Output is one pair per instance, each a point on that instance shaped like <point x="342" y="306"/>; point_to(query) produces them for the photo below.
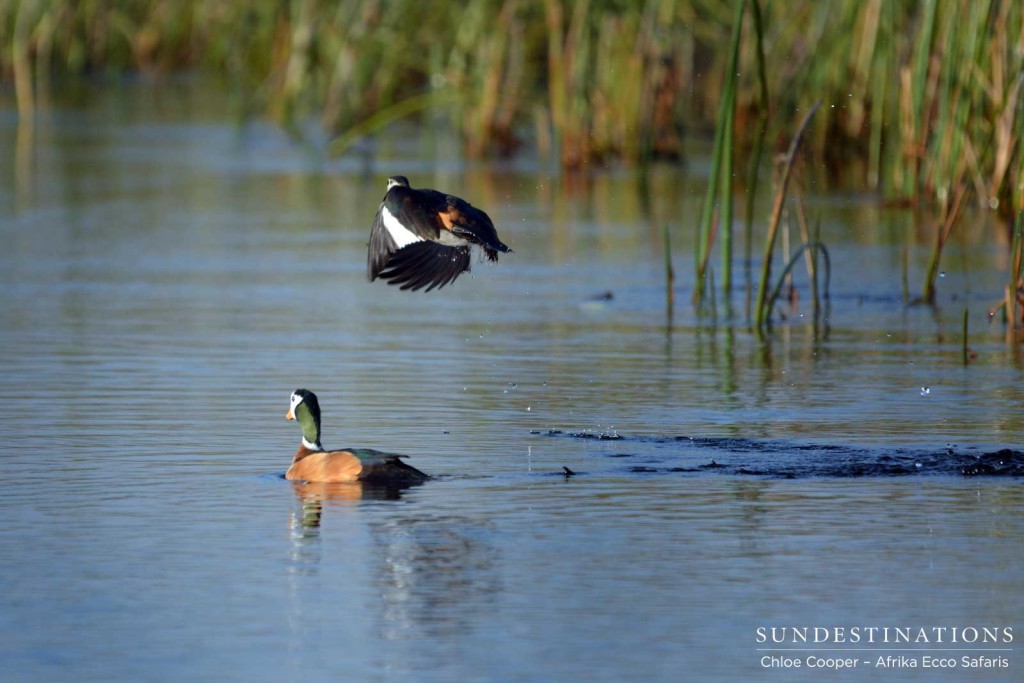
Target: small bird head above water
<point x="305" y="409"/>
<point x="398" y="181"/>
<point x="303" y="397"/>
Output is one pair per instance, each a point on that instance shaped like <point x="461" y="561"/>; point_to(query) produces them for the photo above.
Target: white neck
<point x="312" y="446"/>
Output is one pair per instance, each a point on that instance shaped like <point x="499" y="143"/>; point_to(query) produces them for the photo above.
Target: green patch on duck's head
<point x="305" y="410"/>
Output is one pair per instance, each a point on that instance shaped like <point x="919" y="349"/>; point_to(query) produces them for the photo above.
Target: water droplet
<point x="925" y="391"/>
<point x="528" y="408"/>
<point x="918" y="465"/>
<point x="942" y="274"/>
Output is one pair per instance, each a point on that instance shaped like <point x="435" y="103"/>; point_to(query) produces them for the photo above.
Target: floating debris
<point x="711" y="466"/>
<point x="598" y="302"/>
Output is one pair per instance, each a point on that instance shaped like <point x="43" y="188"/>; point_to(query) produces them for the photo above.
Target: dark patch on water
<point x="1004" y="462"/>
<point x="585" y="434"/>
<point x="711" y="466"/>
<point x="786" y="459"/>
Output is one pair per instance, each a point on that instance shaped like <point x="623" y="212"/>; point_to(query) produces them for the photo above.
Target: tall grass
<point x="754" y="162"/>
<point x="720" y="183"/>
<point x="921" y="97"/>
<point x="1013" y="303"/>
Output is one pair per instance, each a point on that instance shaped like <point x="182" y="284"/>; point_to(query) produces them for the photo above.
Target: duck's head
<point x="398" y="181"/>
<point x="305" y="409"/>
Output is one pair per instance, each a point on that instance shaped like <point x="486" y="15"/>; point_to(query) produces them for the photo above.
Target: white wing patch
<point x="399" y="233"/>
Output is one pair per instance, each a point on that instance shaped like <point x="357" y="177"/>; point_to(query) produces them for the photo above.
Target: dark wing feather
<point x="474" y="225"/>
<point x="386" y="468"/>
<point x="381" y="247"/>
<point x="418" y="211"/>
<point x="425" y="264"/>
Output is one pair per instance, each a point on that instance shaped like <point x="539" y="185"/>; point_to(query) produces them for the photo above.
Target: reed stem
<point x="761" y="310"/>
<point x="964" y="351"/>
<point x="1015" y="286"/>
<point x="949" y="217"/>
<point x="720" y="183"/>
<point x="670" y="276"/>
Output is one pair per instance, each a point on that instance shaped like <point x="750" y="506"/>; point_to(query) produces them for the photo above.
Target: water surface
<point x="169" y="278"/>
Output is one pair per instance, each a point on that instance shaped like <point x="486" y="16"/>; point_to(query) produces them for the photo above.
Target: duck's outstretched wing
<point x="425" y="264"/>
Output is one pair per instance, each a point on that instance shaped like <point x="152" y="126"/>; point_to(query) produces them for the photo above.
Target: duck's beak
<point x="289" y="415"/>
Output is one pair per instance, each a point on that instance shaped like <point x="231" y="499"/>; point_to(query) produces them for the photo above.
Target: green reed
<point x="762" y="309"/>
<point x="922" y="97"/>
<point x="754" y="164"/>
<point x="1013" y="304"/>
<point x="720" y="184"/>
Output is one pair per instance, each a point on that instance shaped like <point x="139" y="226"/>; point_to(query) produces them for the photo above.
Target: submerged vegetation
<point x="921" y="101"/>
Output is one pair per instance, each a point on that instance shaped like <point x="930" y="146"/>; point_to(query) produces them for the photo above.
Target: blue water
<point x="169" y="278"/>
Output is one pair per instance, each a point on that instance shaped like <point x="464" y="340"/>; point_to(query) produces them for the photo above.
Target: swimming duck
<point x="422" y="238"/>
<point x="313" y="463"/>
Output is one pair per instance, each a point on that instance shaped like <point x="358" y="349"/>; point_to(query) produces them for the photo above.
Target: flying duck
<point x="312" y="463"/>
<point x="422" y="238"/>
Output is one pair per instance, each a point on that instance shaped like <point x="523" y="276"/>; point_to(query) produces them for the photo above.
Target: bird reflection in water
<point x="430" y="574"/>
<point x="314" y="496"/>
<point x="313" y="499"/>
